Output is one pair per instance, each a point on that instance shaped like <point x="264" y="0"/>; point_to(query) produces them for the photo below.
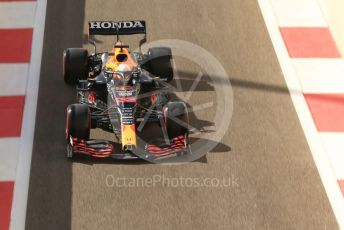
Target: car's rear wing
<point x="117" y="28"/>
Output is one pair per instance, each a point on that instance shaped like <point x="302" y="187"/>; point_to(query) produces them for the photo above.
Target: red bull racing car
<point x="119" y="92"/>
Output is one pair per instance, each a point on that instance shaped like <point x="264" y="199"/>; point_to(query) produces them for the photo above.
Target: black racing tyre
<point x="176" y="119"/>
<point x="75" y="65"/>
<point x="78" y="121"/>
<point x="160" y="62"/>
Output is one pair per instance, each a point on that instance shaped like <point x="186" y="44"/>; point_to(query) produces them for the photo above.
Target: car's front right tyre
<point x="176" y="119"/>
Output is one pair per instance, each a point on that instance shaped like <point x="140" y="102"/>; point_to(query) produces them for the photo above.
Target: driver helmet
<point x="124" y="68"/>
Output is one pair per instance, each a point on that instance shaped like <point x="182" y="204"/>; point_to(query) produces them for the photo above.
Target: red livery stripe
<point x="309" y="42"/>
<point x="6" y="193"/>
<point x="15" y="45"/>
<point x="327" y="111"/>
<point x="11" y="112"/>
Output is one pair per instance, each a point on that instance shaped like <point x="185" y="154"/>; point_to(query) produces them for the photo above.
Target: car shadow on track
<point x="206" y="83"/>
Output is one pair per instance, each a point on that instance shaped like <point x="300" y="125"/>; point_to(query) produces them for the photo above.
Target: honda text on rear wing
<point x="118" y="28"/>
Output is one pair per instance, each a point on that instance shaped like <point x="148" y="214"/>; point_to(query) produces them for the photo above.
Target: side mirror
<point x="104" y="58"/>
<point x="142" y="41"/>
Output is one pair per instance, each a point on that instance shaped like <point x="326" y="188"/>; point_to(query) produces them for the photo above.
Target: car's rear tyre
<point x="176" y="119"/>
<point x="78" y="121"/>
<point x="75" y="65"/>
<point x="160" y="63"/>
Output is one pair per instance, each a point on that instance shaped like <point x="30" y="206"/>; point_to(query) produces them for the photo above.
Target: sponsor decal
<point x="125" y="93"/>
<point x="127" y="116"/>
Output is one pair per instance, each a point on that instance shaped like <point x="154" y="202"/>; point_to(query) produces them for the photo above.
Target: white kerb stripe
<point x="13" y="79"/>
<point x="9" y="148"/>
<point x="298" y="13"/>
<point x="333" y="142"/>
<point x="320" y="75"/>
<point x="17" y="14"/>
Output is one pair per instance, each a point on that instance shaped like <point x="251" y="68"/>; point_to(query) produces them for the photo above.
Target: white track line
<point x="305" y="13"/>
<point x="22" y="18"/>
<point x="13" y="79"/>
<point x="20" y="196"/>
<point x="320" y="75"/>
<point x="9" y="148"/>
<point x="319" y="155"/>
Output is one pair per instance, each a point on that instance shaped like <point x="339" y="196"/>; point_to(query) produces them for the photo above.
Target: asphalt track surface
<point x="278" y="186"/>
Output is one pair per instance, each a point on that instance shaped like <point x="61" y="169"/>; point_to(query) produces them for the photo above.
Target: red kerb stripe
<point x="309" y="42"/>
<point x="15" y="45"/>
<point x="6" y="194"/>
<point x="11" y="113"/>
<point x="18" y="0"/>
<point x="327" y="111"/>
<point x="341" y="185"/>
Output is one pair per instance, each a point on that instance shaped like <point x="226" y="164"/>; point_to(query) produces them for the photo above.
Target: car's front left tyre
<point x="78" y="124"/>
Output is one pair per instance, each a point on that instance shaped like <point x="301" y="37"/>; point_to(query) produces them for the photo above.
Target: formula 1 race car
<point x="119" y="92"/>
